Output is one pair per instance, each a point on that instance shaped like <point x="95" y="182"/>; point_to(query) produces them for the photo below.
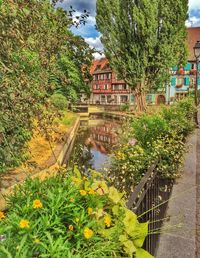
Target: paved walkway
<point x="198" y="195"/>
<point x="181" y="236"/>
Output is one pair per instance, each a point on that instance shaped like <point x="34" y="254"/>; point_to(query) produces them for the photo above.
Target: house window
<point x="98" y="67"/>
<point x="120" y="87"/>
<point x="124" y="98"/>
<point x="96" y="87"/>
<point x="106" y="87"/>
<point x="180" y="81"/>
<point x="192" y="66"/>
<point x="103" y="98"/>
<point x="107" y="76"/>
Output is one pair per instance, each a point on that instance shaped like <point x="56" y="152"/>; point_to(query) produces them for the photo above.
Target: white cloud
<point x="98" y="56"/>
<point x="194" y="5"/>
<point x="96" y="43"/>
<point x="193" y="21"/>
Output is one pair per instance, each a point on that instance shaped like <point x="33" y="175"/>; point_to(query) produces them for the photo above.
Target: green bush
<point x="157" y="137"/>
<point x="59" y="101"/>
<point x="125" y="107"/>
<point x="149" y="128"/>
<point x="70" y="216"/>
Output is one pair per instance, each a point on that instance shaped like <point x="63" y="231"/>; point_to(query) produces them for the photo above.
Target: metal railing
<point x="149" y="202"/>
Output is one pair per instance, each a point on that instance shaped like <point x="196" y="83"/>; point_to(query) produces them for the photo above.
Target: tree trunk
<point x="140" y="99"/>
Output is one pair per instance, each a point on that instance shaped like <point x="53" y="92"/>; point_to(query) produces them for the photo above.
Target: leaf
<point x="77" y="172"/>
<point x="115" y="209"/>
<point x="141" y="231"/>
<point x="141" y="253"/>
<point x="5" y="251"/>
<point x="130" y="222"/>
<point x="114" y="195"/>
<point x="129" y="247"/>
<point x="108" y="232"/>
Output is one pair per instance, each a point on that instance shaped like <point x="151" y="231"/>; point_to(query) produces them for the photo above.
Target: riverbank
<point x="60" y="153"/>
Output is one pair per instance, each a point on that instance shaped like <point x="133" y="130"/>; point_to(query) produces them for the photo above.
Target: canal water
<point x="95" y="140"/>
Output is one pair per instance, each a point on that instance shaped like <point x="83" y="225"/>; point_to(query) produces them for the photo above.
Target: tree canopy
<point x="38" y="56"/>
<point x="143" y="39"/>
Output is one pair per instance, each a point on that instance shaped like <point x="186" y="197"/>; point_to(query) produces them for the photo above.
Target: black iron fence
<point x="149" y="201"/>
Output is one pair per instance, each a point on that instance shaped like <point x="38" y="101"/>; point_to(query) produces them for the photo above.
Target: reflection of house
<point x="104" y="134"/>
<point x="183" y="79"/>
<point x="102" y="137"/>
<point x="106" y="87"/>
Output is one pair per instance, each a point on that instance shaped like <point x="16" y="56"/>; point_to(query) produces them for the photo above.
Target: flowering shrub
<point x="70" y="216"/>
<point x="156" y="137"/>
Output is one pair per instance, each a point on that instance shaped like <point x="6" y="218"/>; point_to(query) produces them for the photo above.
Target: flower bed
<point x="70" y="216"/>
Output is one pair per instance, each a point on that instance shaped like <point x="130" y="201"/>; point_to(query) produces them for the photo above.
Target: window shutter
<point x="199" y="81"/>
<point x="187" y="81"/>
<point x="174" y="68"/>
<point x="132" y="98"/>
<point x="199" y="66"/>
<point x="173" y="81"/>
<point x="187" y="67"/>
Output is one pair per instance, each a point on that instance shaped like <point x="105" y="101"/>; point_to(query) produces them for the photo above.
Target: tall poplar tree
<point x="142" y="40"/>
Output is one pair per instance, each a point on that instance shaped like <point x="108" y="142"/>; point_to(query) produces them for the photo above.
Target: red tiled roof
<point x="101" y="63"/>
<point x="193" y="37"/>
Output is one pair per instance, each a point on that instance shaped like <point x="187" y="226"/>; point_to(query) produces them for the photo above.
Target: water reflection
<point x="95" y="140"/>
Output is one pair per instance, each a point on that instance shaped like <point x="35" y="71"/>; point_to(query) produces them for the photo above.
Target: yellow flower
<point x="91" y="191"/>
<point x="72" y="200"/>
<point x="77" y="220"/>
<point x="107" y="221"/>
<point x="83" y="192"/>
<point x="36" y="241"/>
<point x="37" y="204"/>
<point x="88" y="233"/>
<point x="2" y="215"/>
<point x="24" y="223"/>
<point x="90" y="210"/>
<point x="71" y="227"/>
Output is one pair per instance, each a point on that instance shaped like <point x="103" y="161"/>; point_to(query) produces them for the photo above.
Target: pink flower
<point x="132" y="141"/>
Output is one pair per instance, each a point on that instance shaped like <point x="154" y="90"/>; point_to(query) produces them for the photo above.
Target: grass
<point x="39" y="147"/>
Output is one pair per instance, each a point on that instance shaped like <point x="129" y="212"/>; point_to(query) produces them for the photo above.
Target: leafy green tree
<point x="142" y="40"/>
<point x="35" y="37"/>
<point x="71" y="74"/>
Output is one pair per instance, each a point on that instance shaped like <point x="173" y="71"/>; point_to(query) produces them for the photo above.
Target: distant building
<point x="183" y="79"/>
<point x="106" y="87"/>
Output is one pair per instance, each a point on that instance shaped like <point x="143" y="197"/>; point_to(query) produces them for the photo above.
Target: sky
<point x="92" y="36"/>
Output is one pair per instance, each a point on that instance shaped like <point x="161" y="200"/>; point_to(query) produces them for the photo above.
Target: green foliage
<point x="155" y="137"/>
<point x="125" y="107"/>
<point x="59" y="101"/>
<point x="38" y="56"/>
<point x="148" y="128"/>
<point x="143" y="39"/>
<point x="70" y="216"/>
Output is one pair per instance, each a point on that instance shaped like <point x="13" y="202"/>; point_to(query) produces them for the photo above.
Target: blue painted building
<point x="183" y="80"/>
